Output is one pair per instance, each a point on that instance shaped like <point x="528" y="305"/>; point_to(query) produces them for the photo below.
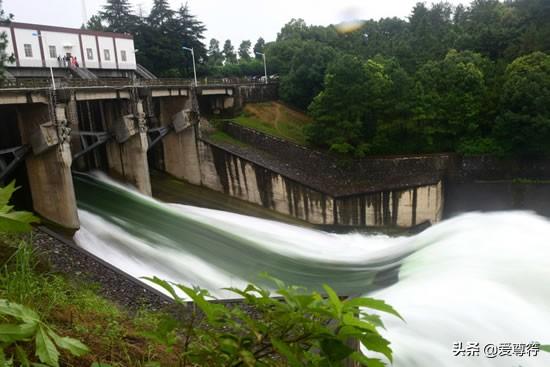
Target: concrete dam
<point x="126" y="128"/>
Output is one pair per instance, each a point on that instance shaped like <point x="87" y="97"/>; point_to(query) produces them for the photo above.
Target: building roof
<point x="48" y="28"/>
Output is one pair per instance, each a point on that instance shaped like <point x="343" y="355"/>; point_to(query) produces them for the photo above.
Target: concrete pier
<point x="49" y="165"/>
<point x="127" y="153"/>
<point x="181" y="158"/>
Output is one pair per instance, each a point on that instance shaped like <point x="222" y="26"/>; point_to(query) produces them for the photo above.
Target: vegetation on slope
<point x="276" y="119"/>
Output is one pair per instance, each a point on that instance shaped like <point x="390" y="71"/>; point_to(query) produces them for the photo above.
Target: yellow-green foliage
<point x="275" y="119"/>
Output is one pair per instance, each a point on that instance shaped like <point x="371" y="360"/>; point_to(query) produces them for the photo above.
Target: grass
<point x="275" y="119"/>
<point x="75" y="309"/>
<point x="221" y="137"/>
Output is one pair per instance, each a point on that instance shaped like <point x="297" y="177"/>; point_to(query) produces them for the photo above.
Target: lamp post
<point x="43" y="38"/>
<point x="194" y="68"/>
<point x="265" y="66"/>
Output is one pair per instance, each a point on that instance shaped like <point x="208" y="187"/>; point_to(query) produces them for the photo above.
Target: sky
<point x="236" y="20"/>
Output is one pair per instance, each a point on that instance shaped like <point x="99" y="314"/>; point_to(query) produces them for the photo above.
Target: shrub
<point x="296" y="329"/>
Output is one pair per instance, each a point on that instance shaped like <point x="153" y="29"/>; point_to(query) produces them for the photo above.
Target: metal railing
<point x="122" y="82"/>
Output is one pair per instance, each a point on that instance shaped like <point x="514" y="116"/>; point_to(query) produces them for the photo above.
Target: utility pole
<point x="194" y="68"/>
<point x="265" y="66"/>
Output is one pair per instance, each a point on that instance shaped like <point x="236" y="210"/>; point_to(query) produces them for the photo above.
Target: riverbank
<point x="80" y="296"/>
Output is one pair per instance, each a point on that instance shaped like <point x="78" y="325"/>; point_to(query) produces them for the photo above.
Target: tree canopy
<point x="460" y="78"/>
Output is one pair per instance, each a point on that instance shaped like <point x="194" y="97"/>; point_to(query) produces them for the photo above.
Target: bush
<point x="301" y="329"/>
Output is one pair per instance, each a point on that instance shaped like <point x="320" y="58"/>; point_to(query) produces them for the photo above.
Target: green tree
<point x="161" y="16"/>
<point x="450" y="96"/>
<point x="117" y="15"/>
<point x="259" y="47"/>
<point x="244" y="50"/>
<point x="191" y="33"/>
<point x="229" y="53"/>
<point x="4" y="58"/>
<point x="95" y="23"/>
<point x="523" y="125"/>
<point x="431" y="31"/>
<point x="487" y="27"/>
<point x="215" y="55"/>
<point x="162" y="42"/>
<point x="346" y="112"/>
<point x="305" y="78"/>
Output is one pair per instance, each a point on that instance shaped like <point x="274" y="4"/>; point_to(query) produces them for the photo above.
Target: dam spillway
<point x="475" y="278"/>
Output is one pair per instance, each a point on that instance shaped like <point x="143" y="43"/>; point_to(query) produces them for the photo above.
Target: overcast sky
<point x="236" y="19"/>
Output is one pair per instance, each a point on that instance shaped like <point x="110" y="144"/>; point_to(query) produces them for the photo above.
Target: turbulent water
<point x="477" y="278"/>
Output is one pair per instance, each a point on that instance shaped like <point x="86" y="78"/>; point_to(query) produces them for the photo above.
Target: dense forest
<point x="472" y="79"/>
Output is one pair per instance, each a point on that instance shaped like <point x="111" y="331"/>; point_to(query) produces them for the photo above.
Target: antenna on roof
<point x="84" y="14"/>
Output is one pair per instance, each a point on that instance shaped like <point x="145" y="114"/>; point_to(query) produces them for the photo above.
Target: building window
<point x="89" y="54"/>
<point x="123" y="55"/>
<point x="107" y="55"/>
<point x="28" y="50"/>
<point x="53" y="52"/>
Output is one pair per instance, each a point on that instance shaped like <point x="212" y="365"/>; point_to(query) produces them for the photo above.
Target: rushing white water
<point x="475" y="278"/>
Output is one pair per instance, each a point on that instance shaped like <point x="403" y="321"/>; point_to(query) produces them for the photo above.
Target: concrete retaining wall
<point x="227" y="172"/>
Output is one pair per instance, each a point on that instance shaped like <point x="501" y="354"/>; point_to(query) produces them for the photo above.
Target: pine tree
<point x="191" y="34"/>
<point x="244" y="50"/>
<point x="95" y="23"/>
<point x="161" y="15"/>
<point x="117" y="14"/>
<point x="229" y="53"/>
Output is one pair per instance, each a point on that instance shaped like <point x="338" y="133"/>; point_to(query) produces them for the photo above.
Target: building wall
<point x="106" y="43"/>
<point x="23" y="37"/>
<point x="125" y="45"/>
<point x="9" y="46"/>
<point x="89" y="42"/>
<point x="64" y="43"/>
<point x="67" y="40"/>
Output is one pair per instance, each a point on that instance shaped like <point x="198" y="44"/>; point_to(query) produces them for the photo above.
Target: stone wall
<point x="256" y="93"/>
<point x="488" y="168"/>
<point x="344" y="178"/>
<point x="226" y="171"/>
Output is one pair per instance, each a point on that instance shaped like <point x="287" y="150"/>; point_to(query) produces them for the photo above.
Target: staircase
<point x="7" y="75"/>
<point x="82" y="73"/>
<point x="144" y="73"/>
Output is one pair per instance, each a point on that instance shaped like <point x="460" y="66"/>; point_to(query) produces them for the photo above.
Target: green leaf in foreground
<point x="371" y="303"/>
<point x="45" y="348"/>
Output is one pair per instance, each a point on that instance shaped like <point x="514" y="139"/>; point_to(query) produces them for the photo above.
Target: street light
<point x="42" y="37"/>
<point x="194" y="68"/>
<point x="265" y="67"/>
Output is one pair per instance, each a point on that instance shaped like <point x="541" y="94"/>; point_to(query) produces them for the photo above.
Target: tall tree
<point x="229" y="52"/>
<point x="244" y="50"/>
<point x="451" y="94"/>
<point x="259" y="47"/>
<point x="161" y="16"/>
<point x="191" y="33"/>
<point x="3" y="42"/>
<point x="215" y="55"/>
<point x="345" y="113"/>
<point x="117" y="14"/>
<point x="307" y="71"/>
<point x="95" y="23"/>
<point x="523" y="126"/>
<point x="431" y="31"/>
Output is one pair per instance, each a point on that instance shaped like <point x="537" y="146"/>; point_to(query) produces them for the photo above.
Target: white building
<point x="38" y="46"/>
